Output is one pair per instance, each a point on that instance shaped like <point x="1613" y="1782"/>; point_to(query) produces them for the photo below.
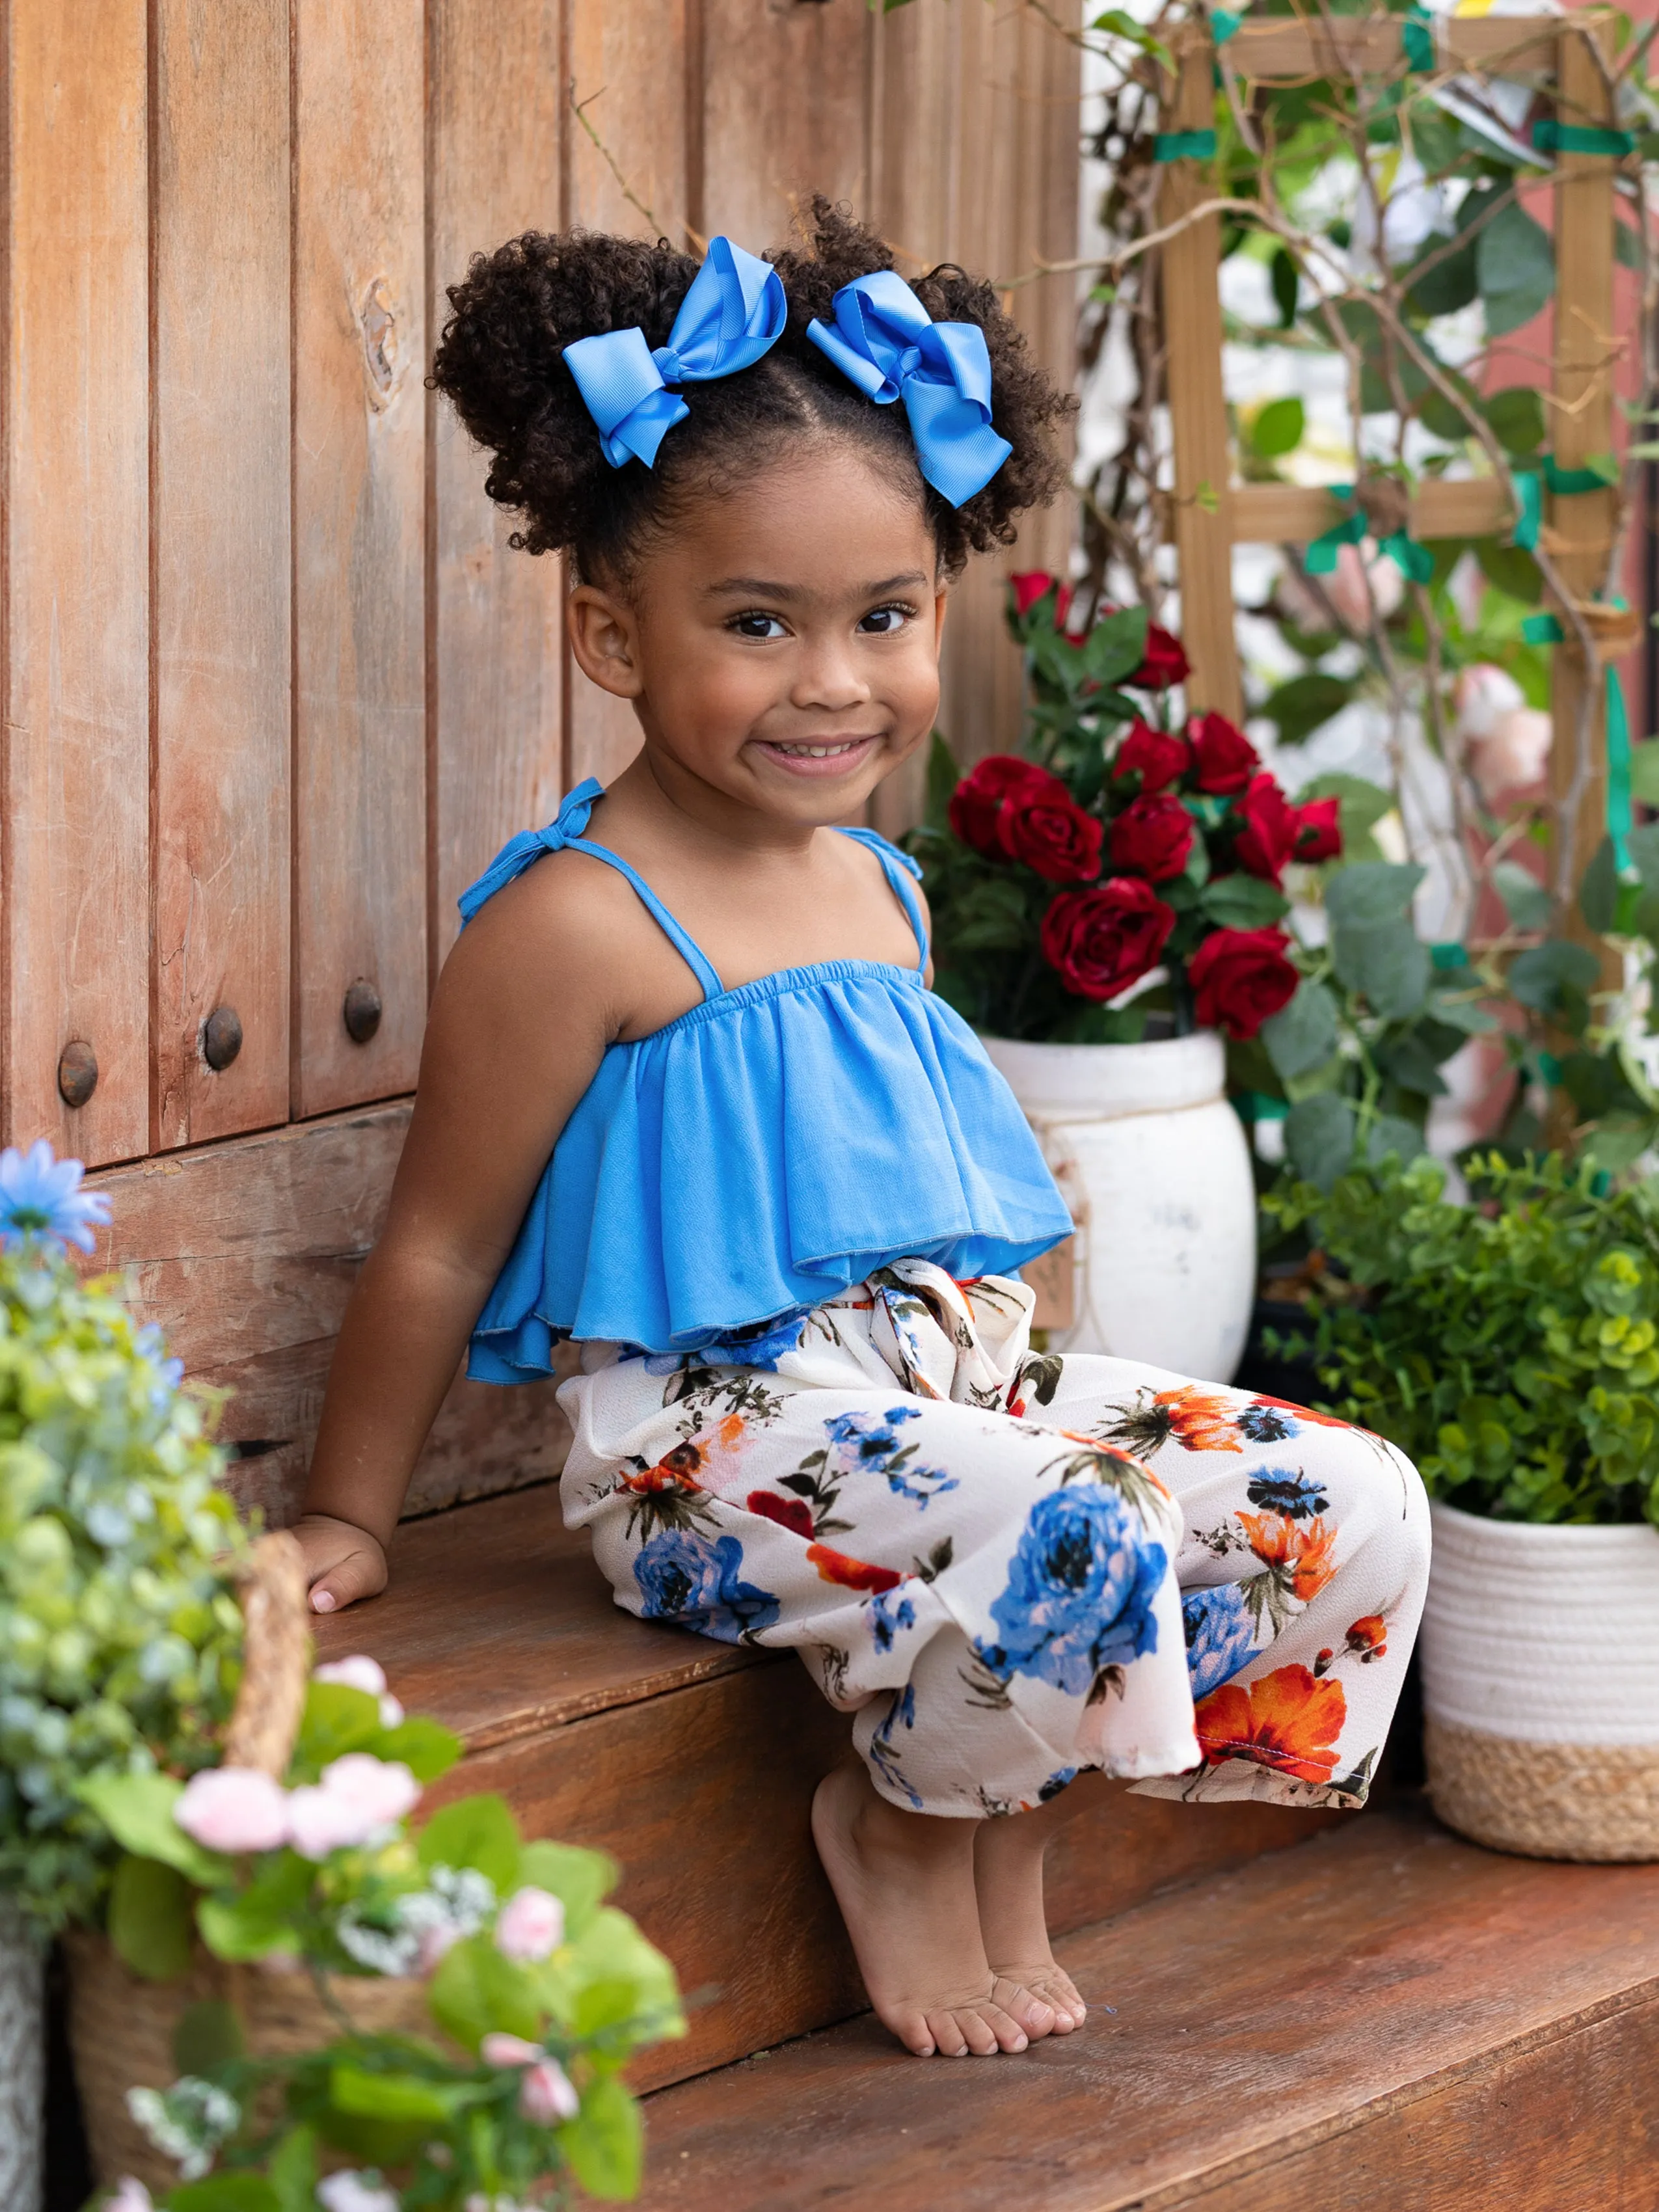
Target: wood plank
<point x="245" y="1254"/>
<point x="1264" y="49"/>
<point x="1279" y="2035"/>
<point x="1191" y="302"/>
<point x="221" y="565"/>
<point x="780" y="95"/>
<point x="360" y="349"/>
<point x="75" y="801"/>
<point x="497" y="684"/>
<point x="1276" y="515"/>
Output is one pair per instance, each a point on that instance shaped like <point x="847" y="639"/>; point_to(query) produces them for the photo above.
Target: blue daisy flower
<point x="40" y="1195"/>
<point x="1220" y="1636"/>
<point x="1268" y="1425"/>
<point x="1080" y="1590"/>
<point x="1285" y="1490"/>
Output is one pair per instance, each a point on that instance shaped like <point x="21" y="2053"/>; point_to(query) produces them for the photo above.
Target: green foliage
<point x="1510" y="1346"/>
<point x="119" y="1635"/>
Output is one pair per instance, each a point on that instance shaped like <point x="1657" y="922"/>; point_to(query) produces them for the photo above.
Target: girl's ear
<point x="602" y="637"/>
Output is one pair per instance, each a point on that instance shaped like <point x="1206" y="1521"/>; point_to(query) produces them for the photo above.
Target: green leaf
<point x="1451" y="283"/>
<point x="1243" y="902"/>
<point x="1115" y="647"/>
<point x="292" y="2172"/>
<point x="149" y="1918"/>
<point x="1287" y="283"/>
<point x="1626" y="246"/>
<point x="400" y="2096"/>
<point x="1410" y="1061"/>
<point x="1371" y="891"/>
<point x="1512" y="568"/>
<point x="604" y="2145"/>
<point x="1319" y="1137"/>
<point x="474" y="1831"/>
<point x="1306" y="703"/>
<point x="1598" y="893"/>
<point x="1516" y="416"/>
<point x="1278" y="429"/>
<point x="580" y="1880"/>
<point x="1525" y="900"/>
<point x="1555" y="978"/>
<point x="1360" y="804"/>
<point x="337" y="1719"/>
<point x="1387" y="964"/>
<point x="612" y="1951"/>
<point x="138" y="1810"/>
<point x="1391" y="1133"/>
<point x="224" y="2192"/>
<point x="943" y="777"/>
<point x="260" y="1918"/>
<point x="1304" y="1035"/>
<point x="475" y="1988"/>
<point x="1514" y="267"/>
<point x="209" y="2034"/>
<point x="1644" y="852"/>
<point x="426" y="1748"/>
<point x="1644" y="771"/>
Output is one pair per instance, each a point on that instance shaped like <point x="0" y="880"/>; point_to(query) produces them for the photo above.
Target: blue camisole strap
<point x="903" y="874"/>
<point x="565" y="835"/>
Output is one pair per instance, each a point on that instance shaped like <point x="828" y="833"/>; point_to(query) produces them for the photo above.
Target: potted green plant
<point x="1510" y="1346"/>
<point x="118" y="1627"/>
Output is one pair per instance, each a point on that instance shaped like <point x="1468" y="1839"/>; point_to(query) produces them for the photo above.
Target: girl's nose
<point x="829" y="677"/>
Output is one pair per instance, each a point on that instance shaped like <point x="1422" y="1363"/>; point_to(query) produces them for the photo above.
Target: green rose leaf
<point x="1115" y="647"/>
<point x="1243" y="903"/>
<point x="475" y="1990"/>
<point x="355" y="2090"/>
<point x="474" y="1831"/>
<point x="138" y="1810"/>
<point x="1525" y="900"/>
<point x="613" y="1974"/>
<point x="580" y="1880"/>
<point x="260" y="1918"/>
<point x="1516" y="416"/>
<point x="1387" y="965"/>
<point x="604" y="2145"/>
<point x="1393" y="1134"/>
<point x="1306" y="703"/>
<point x="149" y="1918"/>
<point x="224" y="2192"/>
<point x="1278" y="429"/>
<point x="1598" y="893"/>
<point x="1319" y="1137"/>
<point x="1555" y="978"/>
<point x="337" y="1719"/>
<point x="1514" y="267"/>
<point x="425" y="1747"/>
<point x="1303" y="1037"/>
<point x="1371" y="891"/>
<point x="292" y="2171"/>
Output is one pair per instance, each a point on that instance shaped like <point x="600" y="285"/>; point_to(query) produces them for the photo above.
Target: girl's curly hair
<point x="500" y="360"/>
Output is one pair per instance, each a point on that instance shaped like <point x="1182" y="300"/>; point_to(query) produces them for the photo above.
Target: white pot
<point x="1155" y="1168"/>
<point x="23" y="2063"/>
<point x="1541" y="1686"/>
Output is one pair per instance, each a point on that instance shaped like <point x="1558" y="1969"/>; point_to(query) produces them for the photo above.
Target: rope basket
<point x="121" y="2028"/>
<point x="1548" y="1801"/>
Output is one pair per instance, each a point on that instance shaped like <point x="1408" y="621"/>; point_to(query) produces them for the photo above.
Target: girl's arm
<point x="519" y="1021"/>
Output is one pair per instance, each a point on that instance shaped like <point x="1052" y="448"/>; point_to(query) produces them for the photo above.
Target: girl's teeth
<point x="815" y="752"/>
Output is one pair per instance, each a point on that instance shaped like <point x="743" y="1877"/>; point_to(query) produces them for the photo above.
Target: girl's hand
<point x="342" y="1562"/>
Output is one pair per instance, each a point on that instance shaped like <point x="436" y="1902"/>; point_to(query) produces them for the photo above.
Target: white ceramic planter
<point x="1541" y="1686"/>
<point x="23" y="2063"/>
<point x="1155" y="1168"/>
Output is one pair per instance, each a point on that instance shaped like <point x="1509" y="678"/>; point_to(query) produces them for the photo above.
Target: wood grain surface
<point x="75" y="799"/>
<point x="781" y="91"/>
<point x="1387" y="2017"/>
<point x="221" y="427"/>
<point x="360" y="355"/>
<point x="497" y="669"/>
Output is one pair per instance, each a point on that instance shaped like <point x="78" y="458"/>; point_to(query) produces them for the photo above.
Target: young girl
<point x="687" y="1099"/>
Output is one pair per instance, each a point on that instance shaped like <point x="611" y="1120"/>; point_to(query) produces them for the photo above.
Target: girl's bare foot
<point x="905" y="1884"/>
<point x="1008" y="1883"/>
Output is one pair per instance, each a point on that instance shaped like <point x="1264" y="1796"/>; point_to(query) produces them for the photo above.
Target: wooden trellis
<point x="1212" y="514"/>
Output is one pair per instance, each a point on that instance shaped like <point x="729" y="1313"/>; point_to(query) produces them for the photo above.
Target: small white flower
<point x="382" y="1952"/>
<point x="186" y="2122"/>
<point x="362" y="2191"/>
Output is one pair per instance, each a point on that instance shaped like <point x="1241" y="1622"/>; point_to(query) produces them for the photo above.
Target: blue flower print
<point x="683" y="1577"/>
<point x="886" y="1619"/>
<point x="1080" y="1590"/>
<point x="870" y="1443"/>
<point x="1267" y="1424"/>
<point x="1063" y="1779"/>
<point x="902" y="1713"/>
<point x="1220" y="1636"/>
<point x="1282" y="1490"/>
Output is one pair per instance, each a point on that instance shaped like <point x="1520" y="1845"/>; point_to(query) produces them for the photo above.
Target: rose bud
<point x="1224" y="757"/>
<point x="1165" y="662"/>
<point x="1318" y="830"/>
<point x="1267" y="838"/>
<point x="1157" y="755"/>
<point x="1100" y="941"/>
<point x="1152" y="837"/>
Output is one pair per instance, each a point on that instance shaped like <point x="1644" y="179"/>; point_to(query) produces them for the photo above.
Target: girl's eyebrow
<point x="760" y="588"/>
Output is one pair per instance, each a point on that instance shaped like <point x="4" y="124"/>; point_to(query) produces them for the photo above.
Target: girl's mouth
<point x="826" y="756"/>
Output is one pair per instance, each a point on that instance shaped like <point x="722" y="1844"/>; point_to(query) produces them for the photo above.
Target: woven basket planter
<point x="1540" y="1687"/>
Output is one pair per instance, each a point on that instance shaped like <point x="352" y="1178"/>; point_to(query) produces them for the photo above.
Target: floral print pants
<point x="1012" y="1565"/>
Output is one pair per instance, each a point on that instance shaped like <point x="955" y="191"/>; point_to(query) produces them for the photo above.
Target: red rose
<point x="1030" y="587"/>
<point x="1318" y="831"/>
<point x="1240" y="977"/>
<point x="1158" y="757"/>
<point x="1268" y="837"/>
<point x="977" y="799"/>
<point x="1100" y="941"/>
<point x="1152" y="837"/>
<point x="1164" y="663"/>
<point x="1225" y="757"/>
<point x="1053" y="837"/>
<point x="794" y="1513"/>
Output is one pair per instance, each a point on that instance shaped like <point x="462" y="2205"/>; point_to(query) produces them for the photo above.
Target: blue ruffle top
<point x="774" y="1144"/>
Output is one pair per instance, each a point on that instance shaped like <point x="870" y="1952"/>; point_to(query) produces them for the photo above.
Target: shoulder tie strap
<point x="902" y="874"/>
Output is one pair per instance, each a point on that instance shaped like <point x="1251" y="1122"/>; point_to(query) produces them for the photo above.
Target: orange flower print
<point x="1306" y="1550"/>
<point x="1288" y="1722"/>
<point x="1369" y="1638"/>
<point x="852" y="1574"/>
<point x="677" y="1469"/>
<point x="729" y="1435"/>
<point x="1304" y="1413"/>
<point x="1196" y="1421"/>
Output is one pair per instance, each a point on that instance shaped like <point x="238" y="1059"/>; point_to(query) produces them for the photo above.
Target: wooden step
<point x="694" y="1763"/>
<point x="1387" y="2018"/>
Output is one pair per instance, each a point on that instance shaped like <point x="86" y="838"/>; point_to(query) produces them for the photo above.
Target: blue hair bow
<point x="885" y="341"/>
<point x="734" y="312"/>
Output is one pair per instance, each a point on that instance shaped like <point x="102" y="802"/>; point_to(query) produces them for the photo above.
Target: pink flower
<point x="1482" y="692"/>
<point x="355" y="2192"/>
<point x="360" y="1672"/>
<point x="1514" y="755"/>
<point x="130" y="2196"/>
<point x="500" y="2049"/>
<point x="357" y="1795"/>
<point x="530" y="1925"/>
<point x="233" y="1808"/>
<point x="545" y="2094"/>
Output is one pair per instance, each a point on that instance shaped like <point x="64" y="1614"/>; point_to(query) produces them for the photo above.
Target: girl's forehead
<point x="825" y="513"/>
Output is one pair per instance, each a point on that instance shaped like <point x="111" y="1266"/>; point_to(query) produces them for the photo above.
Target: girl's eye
<point x="882" y="621"/>
<point x="757" y="625"/>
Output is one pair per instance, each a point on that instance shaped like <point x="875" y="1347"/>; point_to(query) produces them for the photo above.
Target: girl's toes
<point x="1005" y="2025"/>
<point x="915" y="2031"/>
<point x="946" y="2031"/>
<point x="980" y="2028"/>
<point x="1033" y="2012"/>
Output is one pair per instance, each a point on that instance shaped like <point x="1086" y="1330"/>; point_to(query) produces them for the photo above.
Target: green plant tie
<point x="1552" y="137"/>
<point x="1576" y="480"/>
<point x="1417" y="36"/>
<point x="1224" y="25"/>
<point x="1412" y="558"/>
<point x="1257" y="1106"/>
<point x="1546" y="629"/>
<point x="1550" y="1068"/>
<point x="1449" y="956"/>
<point x="1529" y="492"/>
<point x="1320" y="560"/>
<point x="1184" y="146"/>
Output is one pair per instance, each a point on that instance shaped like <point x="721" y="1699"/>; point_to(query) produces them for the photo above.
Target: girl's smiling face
<point x="780" y="644"/>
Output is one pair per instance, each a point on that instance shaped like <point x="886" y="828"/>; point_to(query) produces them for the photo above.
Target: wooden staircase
<point x="1308" y="2013"/>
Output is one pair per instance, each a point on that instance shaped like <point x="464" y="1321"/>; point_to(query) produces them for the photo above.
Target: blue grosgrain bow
<point x="734" y="312"/>
<point x="885" y="342"/>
